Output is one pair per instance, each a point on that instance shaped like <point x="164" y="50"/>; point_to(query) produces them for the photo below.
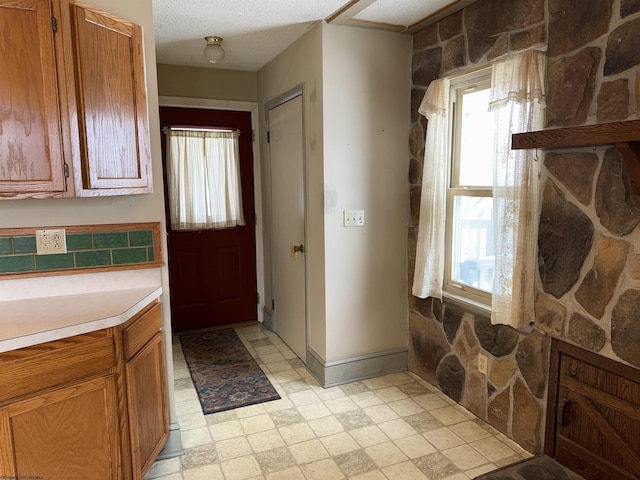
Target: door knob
<point x="295" y="250"/>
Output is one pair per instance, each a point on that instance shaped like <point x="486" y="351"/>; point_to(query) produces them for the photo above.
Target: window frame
<point x="459" y="85"/>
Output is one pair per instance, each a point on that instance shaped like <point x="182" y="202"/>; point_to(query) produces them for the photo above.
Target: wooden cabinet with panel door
<point x="98" y="396"/>
<point x="72" y="102"/>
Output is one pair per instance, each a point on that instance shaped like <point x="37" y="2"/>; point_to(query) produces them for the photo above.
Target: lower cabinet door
<point x="146" y="394"/>
<point x="67" y="433"/>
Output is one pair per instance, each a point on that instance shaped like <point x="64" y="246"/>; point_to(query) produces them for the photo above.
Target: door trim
<point x="238" y="106"/>
<point x="268" y="106"/>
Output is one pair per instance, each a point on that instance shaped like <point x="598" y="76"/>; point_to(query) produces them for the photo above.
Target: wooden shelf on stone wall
<point x="624" y="135"/>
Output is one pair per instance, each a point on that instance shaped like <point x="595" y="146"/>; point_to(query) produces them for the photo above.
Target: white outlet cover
<point x="51" y="242"/>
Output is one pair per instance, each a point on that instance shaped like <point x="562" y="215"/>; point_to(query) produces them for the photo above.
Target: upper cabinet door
<point x="31" y="158"/>
<point x="111" y="105"/>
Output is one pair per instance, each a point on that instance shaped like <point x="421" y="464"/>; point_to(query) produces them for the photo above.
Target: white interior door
<point x="287" y="204"/>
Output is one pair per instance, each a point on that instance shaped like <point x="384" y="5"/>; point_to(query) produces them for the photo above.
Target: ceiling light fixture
<point x="213" y="52"/>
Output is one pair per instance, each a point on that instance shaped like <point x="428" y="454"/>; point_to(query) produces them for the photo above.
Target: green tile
<point x="93" y="258"/>
<point x="16" y="263"/>
<point x="141" y="238"/>
<point x="5" y="245"/>
<point x="110" y="239"/>
<point x="79" y="241"/>
<point x="151" y="254"/>
<point x="54" y="262"/>
<point x="24" y="244"/>
<point x="129" y="255"/>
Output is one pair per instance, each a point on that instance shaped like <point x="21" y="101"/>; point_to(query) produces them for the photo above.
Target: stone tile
<point x="221" y="417"/>
<point x="309" y="451"/>
<point x="390" y="394"/>
<point x="259" y="423"/>
<point x="406" y="407"/>
<point x="492" y="448"/>
<point x="469" y="431"/>
<point x="385" y="454"/>
<point x="272" y="357"/>
<point x="275" y="460"/>
<point x="278" y="405"/>
<point x="191" y="421"/>
<point x="404" y="471"/>
<point x="199" y="456"/>
<point x="263" y="441"/>
<point x="355" y="463"/>
<point x="398" y="428"/>
<point x="413" y="389"/>
<point x="475" y="472"/>
<point x="381" y="413"/>
<point x="339" y="443"/>
<point x="297" y="433"/>
<point x="266" y="350"/>
<point x="171" y="476"/>
<point x="430" y="401"/>
<point x="341" y="405"/>
<point x="423" y="422"/>
<point x="369" y="398"/>
<point x="376" y="383"/>
<point x="354" y="388"/>
<point x="182" y="383"/>
<point x="465" y="457"/>
<point x="289" y="416"/>
<point x="241" y="468"/>
<point x="206" y="472"/>
<point x="307" y="397"/>
<point x="180" y="373"/>
<point x="185" y="395"/>
<point x="278" y="366"/>
<point x="232" y="448"/>
<point x="415" y="446"/>
<point x="295" y="386"/>
<point x="443" y="438"/>
<point x="293" y="473"/>
<point x="436" y="466"/>
<point x="224" y="430"/>
<point x="197" y="436"/>
<point x="399" y="378"/>
<point x="354" y="419"/>
<point x="188" y="407"/>
<point x="322" y="470"/>
<point x="285" y="376"/>
<point x="250" y="410"/>
<point x="326" y="426"/>
<point x="324" y="394"/>
<point x="368" y="436"/>
<point x="313" y="411"/>
<point x="448" y="415"/>
<point x="373" y="475"/>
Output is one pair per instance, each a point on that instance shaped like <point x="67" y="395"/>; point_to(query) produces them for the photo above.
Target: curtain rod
<point x="173" y="128"/>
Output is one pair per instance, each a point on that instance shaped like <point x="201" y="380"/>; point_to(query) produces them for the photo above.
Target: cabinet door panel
<point x="53" y="435"/>
<point x="146" y="395"/>
<point x="30" y="139"/>
<point x="112" y="106"/>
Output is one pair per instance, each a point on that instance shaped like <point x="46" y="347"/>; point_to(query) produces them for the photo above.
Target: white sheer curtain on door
<point x="203" y="174"/>
<point x="517" y="93"/>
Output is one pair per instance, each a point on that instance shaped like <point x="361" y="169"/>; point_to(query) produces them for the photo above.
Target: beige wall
<point x="366" y="117"/>
<point x="202" y="82"/>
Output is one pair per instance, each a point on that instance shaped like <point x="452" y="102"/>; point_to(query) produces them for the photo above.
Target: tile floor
<point x="394" y="427"/>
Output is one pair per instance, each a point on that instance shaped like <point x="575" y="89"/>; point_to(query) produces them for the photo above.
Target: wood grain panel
<point x="140" y="330"/>
<point x="36" y="368"/>
<point x="31" y="151"/>
<point x="148" y="415"/>
<point x="111" y="103"/>
<point x="48" y="432"/>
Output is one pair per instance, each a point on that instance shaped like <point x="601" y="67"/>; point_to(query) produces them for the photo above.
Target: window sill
<point x="467" y="304"/>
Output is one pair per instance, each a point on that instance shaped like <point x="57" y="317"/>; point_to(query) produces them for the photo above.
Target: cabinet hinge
<point x="54" y="24"/>
<point x="66" y="170"/>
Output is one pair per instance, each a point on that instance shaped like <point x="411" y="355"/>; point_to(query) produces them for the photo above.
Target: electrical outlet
<point x="50" y="242"/>
<point x="482" y="363"/>
<point x="354" y="218"/>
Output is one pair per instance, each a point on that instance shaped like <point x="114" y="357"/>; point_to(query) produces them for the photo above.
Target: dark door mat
<point x="540" y="467"/>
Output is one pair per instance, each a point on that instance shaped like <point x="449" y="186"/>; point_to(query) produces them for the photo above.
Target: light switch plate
<point x="353" y="218"/>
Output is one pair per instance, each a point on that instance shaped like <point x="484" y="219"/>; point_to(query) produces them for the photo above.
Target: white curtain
<point x="517" y="93"/>
<point x="203" y="173"/>
<point x="429" y="268"/>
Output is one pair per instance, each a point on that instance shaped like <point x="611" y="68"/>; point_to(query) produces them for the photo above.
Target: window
<point x="203" y="173"/>
<point x="469" y="249"/>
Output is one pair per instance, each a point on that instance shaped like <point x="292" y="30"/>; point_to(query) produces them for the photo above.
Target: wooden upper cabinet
<point x="31" y="150"/>
<point x="110" y="105"/>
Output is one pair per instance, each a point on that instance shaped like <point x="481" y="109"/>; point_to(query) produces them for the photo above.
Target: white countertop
<point x="39" y="310"/>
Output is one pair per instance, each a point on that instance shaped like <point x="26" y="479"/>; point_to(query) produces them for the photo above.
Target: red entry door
<point x="212" y="273"/>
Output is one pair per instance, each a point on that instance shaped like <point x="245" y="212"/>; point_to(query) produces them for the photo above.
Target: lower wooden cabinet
<point x="71" y="432"/>
<point x="92" y="406"/>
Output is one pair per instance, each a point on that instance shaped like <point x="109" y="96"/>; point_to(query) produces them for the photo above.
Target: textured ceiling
<point x="255" y="31"/>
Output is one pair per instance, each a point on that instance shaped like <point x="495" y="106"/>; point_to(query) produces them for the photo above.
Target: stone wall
<point x="589" y="240"/>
